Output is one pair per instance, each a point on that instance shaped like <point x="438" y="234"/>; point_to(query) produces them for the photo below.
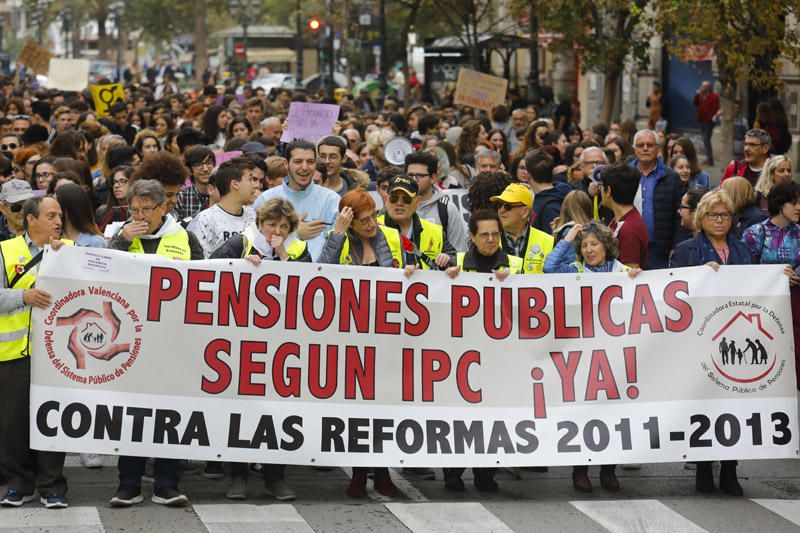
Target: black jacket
<point x="666" y="202"/>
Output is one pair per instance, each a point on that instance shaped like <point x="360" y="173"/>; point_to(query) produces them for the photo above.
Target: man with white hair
<point x="658" y="200"/>
<point x="272" y="128"/>
<point x="519" y="122"/>
<point x="489" y="161"/>
<point x="591" y="158"/>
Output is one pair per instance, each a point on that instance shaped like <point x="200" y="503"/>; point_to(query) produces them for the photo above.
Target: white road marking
<point x="244" y="518"/>
<point x="788" y="509"/>
<point x="634" y="516"/>
<point x="447" y="517"/>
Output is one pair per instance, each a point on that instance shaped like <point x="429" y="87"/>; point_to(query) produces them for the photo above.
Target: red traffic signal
<point x="314" y="25"/>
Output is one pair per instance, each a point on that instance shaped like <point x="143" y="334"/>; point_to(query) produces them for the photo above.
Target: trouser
<point x="27" y="470"/>
<point x="270" y="472"/>
<point x="706" y="129"/>
<point x="131" y="470"/>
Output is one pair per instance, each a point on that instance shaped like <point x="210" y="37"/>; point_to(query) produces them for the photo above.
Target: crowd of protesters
<point x="145" y="179"/>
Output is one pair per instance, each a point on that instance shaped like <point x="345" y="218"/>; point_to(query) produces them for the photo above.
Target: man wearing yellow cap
<point x="518" y="238"/>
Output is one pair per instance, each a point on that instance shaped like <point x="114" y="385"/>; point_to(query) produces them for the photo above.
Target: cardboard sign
<point x="35" y="57"/>
<point x="68" y="74"/>
<point x="221" y="157"/>
<point x="479" y="90"/>
<point x="310" y="121"/>
<point x="105" y="96"/>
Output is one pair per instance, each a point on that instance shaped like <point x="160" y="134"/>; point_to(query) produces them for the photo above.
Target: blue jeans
<point x="706" y="129"/>
<point x="131" y="470"/>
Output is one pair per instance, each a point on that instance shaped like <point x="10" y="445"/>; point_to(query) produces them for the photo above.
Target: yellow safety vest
<point x="15" y="324"/>
<point x="431" y="239"/>
<point x="295" y="250"/>
<point x="539" y="245"/>
<point x="514" y="262"/>
<point x="174" y="246"/>
<point x="392" y="238"/>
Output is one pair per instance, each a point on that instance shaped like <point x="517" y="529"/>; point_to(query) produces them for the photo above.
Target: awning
<point x="270" y="55"/>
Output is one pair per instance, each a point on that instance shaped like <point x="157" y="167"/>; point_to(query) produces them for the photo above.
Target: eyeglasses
<point x="393" y="199"/>
<point x="489" y="236"/>
<point x="9" y="146"/>
<point x="685" y="207"/>
<point x="507" y="206"/>
<point x="204" y="164"/>
<point x="146" y="211"/>
<point x="15" y="208"/>
<point x="720" y="216"/>
<point x="593" y="163"/>
<point x="122" y="181"/>
<point x="646" y="145"/>
<point x="369" y="219"/>
<point x="44" y="175"/>
<point x="416" y="177"/>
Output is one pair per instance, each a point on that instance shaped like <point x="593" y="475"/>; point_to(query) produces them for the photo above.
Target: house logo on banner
<point x="740" y="334"/>
<point x="102" y="340"/>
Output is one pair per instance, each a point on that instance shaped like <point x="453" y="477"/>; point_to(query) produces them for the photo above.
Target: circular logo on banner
<point x="741" y="338"/>
<point x="92" y="342"/>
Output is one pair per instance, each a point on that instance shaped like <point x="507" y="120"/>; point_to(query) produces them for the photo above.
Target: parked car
<point x="313" y="83"/>
<point x="272" y="81"/>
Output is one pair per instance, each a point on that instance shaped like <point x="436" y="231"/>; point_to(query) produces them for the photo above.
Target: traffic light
<point x="314" y="25"/>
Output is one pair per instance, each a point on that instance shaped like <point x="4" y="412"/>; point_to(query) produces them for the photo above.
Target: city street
<point x="654" y="499"/>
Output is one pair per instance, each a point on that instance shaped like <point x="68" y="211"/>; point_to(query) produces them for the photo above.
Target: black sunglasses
<point x="16" y="208"/>
<point x="9" y="146"/>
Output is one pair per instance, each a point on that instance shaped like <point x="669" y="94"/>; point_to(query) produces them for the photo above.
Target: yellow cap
<point x="515" y="193"/>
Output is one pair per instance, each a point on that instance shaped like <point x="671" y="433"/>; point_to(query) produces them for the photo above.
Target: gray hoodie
<point x="456" y="227"/>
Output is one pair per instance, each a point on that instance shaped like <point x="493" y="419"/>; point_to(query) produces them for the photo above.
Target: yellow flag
<point x="106" y="95"/>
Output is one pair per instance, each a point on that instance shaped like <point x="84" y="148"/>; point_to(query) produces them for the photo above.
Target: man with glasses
<point x="658" y="198"/>
<point x="434" y="206"/>
<point x="151" y="230"/>
<point x="200" y="162"/>
<point x="591" y="159"/>
<point x="10" y="145"/>
<point x="331" y="150"/>
<point x="12" y="196"/>
<point x="428" y="247"/>
<point x="518" y="238"/>
<point x="757" y="144"/>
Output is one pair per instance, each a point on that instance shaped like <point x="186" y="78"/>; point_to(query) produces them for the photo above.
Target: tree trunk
<point x="412" y="17"/>
<point x="103" y="41"/>
<point x="200" y="42"/>
<point x="610" y="88"/>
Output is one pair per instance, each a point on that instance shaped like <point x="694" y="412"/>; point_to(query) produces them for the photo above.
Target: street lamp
<point x="40" y="8"/>
<point x="244" y="11"/>
<point x="118" y="11"/>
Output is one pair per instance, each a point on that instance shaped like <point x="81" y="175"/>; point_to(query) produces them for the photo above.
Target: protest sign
<point x="221" y="157"/>
<point x="105" y="96"/>
<point x="35" y="57"/>
<point x="310" y="121"/>
<point x="332" y="365"/>
<point x="479" y="90"/>
<point x="68" y="74"/>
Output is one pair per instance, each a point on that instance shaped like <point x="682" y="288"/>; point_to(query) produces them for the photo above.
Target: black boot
<point x="728" y="481"/>
<point x="704" y="477"/>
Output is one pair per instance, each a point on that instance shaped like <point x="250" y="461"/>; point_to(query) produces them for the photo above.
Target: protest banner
<point x="479" y="90"/>
<point x="310" y="121"/>
<point x="332" y="365"/>
<point x="105" y="96"/>
<point x="35" y="57"/>
<point x="68" y="74"/>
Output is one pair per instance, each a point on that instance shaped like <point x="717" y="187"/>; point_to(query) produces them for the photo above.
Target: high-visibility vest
<point x="431" y="239"/>
<point x="173" y="246"/>
<point x="15" y="324"/>
<point x="392" y="238"/>
<point x="295" y="250"/>
<point x="514" y="263"/>
<point x="539" y="245"/>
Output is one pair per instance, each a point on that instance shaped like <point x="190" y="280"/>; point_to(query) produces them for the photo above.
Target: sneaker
<point x="127" y="496"/>
<point x="213" y="470"/>
<point x="169" y="496"/>
<point x="91" y="460"/>
<point x="279" y="490"/>
<point x="238" y="489"/>
<point x="421" y="473"/>
<point x="55" y="501"/>
<point x="13" y="498"/>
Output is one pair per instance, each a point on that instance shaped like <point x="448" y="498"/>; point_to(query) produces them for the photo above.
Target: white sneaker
<point x="92" y="460"/>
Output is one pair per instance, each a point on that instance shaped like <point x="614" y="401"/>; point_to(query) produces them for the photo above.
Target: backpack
<point x="537" y="215"/>
<point x="444" y="216"/>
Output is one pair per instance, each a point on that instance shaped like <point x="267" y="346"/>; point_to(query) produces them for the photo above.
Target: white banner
<point x="332" y="365"/>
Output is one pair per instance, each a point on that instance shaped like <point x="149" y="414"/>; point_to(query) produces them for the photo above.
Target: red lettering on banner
<point x="587" y="313"/>
<point x="644" y="311"/>
<point x="248" y="367"/>
<point x="562" y="331"/>
<point x="158" y="293"/>
<point x="280" y="373"/>
<point x="328" y="309"/>
<point x="682" y="307"/>
<point x="269" y="301"/>
<point x="195" y="296"/>
<point x="504" y="330"/>
<point x="354" y="304"/>
<point x="601" y="378"/>
<point x="315" y="373"/>
<point x="384" y="306"/>
<point x="431" y="375"/>
<point x="408" y="375"/>
<point x="459" y="310"/>
<point x="358" y="372"/>
<point x="528" y="310"/>
<point x="233" y="299"/>
<point x="462" y="376"/>
<point x="566" y="371"/>
<point x="212" y="359"/>
<point x="292" y="291"/>
<point x="604" y="311"/>
<point x="418" y="308"/>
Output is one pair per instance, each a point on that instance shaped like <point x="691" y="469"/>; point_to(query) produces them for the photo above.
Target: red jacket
<point x="707" y="106"/>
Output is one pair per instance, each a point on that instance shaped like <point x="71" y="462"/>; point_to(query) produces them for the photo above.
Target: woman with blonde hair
<point x="777" y="169"/>
<point x="744" y="203"/>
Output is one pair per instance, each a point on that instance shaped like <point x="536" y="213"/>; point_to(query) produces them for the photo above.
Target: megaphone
<point x="396" y="149"/>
